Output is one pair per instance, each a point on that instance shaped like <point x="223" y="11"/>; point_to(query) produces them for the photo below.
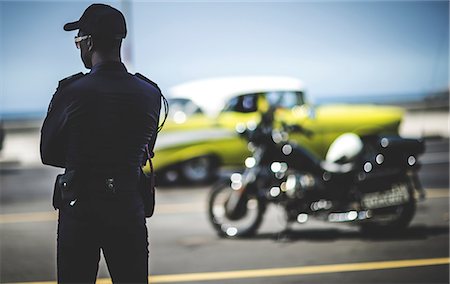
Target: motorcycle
<point x="368" y="181"/>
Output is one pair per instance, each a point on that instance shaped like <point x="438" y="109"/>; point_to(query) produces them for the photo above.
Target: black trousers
<point x="112" y="223"/>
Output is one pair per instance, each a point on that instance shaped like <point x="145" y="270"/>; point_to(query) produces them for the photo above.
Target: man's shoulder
<point x="147" y="80"/>
<point x="69" y="80"/>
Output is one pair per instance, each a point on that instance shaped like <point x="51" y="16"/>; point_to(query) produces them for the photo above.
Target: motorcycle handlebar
<point x="295" y="128"/>
<point x="258" y="132"/>
<point x="267" y="120"/>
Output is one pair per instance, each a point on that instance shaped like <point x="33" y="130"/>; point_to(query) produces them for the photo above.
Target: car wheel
<point x="199" y="170"/>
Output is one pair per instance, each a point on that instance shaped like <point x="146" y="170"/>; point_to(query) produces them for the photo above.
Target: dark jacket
<point x="101" y="120"/>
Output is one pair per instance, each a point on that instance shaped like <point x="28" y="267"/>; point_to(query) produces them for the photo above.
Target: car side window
<point x="284" y="99"/>
<point x="291" y="99"/>
<point x="245" y="104"/>
<point x="185" y="107"/>
<point x="249" y="102"/>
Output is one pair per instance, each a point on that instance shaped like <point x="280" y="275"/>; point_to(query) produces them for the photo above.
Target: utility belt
<point x="76" y="184"/>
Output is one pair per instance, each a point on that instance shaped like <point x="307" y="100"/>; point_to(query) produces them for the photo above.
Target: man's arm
<point x="53" y="142"/>
<point x="54" y="130"/>
<point x="154" y="111"/>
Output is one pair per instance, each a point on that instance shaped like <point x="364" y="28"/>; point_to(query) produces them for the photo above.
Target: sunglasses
<point x="79" y="39"/>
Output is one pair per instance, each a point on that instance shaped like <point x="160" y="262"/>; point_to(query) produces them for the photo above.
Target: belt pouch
<point x="147" y="191"/>
<point x="65" y="183"/>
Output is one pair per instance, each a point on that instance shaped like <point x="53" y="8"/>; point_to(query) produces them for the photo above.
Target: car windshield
<point x="180" y="109"/>
<point x="279" y="99"/>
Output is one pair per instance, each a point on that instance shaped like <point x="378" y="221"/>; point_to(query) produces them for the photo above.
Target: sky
<point x="339" y="49"/>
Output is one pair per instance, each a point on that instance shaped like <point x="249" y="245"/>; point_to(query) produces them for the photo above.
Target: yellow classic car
<point x="200" y="135"/>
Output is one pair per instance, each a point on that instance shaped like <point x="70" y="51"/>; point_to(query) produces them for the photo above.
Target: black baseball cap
<point x="100" y="20"/>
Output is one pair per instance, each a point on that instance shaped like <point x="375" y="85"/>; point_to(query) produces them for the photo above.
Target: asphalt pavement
<point x="184" y="247"/>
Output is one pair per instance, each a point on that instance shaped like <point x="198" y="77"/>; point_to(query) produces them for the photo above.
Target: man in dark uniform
<point x="97" y="127"/>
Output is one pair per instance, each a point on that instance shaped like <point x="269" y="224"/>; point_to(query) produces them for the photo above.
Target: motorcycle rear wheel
<point x="404" y="215"/>
<point x="248" y="221"/>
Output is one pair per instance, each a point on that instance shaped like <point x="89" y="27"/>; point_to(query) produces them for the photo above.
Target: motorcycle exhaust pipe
<point x="349" y="216"/>
<point x="340" y="217"/>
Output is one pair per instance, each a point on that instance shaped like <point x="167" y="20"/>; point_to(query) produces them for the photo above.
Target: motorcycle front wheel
<point x="243" y="224"/>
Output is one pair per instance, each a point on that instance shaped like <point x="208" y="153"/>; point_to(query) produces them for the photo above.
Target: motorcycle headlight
<point x="250" y="162"/>
<point x="236" y="177"/>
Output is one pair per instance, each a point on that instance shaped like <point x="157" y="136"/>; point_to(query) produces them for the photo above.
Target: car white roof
<point x="212" y="94"/>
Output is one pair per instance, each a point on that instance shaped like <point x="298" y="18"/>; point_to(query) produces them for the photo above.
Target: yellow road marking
<point x="437" y="193"/>
<point x="28" y="217"/>
<point x="194" y="207"/>
<point x="287" y="271"/>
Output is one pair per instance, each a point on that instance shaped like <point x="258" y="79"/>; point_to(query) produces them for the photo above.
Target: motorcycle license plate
<point x="398" y="194"/>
